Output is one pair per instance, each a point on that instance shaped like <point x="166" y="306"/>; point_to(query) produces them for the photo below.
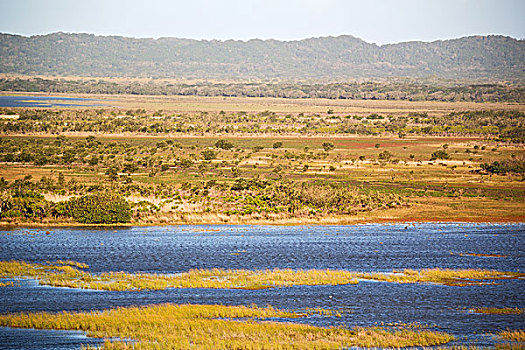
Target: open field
<point x="184" y="159"/>
<point x="197" y="104"/>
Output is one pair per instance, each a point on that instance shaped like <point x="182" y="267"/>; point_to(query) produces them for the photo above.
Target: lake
<point x="45" y="101"/>
<point x="366" y="248"/>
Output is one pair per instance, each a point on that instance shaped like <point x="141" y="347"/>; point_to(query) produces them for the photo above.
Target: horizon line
<point x="267" y="39"/>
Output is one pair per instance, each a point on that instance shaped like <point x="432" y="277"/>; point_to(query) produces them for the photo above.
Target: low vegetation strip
<point x="216" y="326"/>
<point x="60" y="275"/>
<point x="514" y="335"/>
<point x="499" y="311"/>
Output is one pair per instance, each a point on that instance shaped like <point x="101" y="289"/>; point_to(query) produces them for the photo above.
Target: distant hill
<point x="333" y="58"/>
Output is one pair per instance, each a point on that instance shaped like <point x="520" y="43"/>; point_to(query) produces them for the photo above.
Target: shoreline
<point x="330" y="222"/>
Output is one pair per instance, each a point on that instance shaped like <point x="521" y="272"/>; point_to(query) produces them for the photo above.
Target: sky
<point x="375" y="21"/>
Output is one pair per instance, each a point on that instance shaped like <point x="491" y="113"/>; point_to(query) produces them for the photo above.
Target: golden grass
<point x="516" y="335"/>
<point x="216" y="327"/>
<point x="461" y="277"/>
<point x="499" y="311"/>
<point x="71" y="277"/>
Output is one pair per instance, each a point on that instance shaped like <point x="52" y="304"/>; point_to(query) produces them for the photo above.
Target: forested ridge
<point x="333" y="58"/>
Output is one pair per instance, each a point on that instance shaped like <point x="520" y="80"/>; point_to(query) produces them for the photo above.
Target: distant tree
<point x="277" y="144"/>
<point x="328" y="146"/>
<point x="385" y="155"/>
<point x="112" y="173"/>
<point x="440" y="154"/>
<point x="209" y="154"/>
<point x="130" y="168"/>
<point x="224" y="144"/>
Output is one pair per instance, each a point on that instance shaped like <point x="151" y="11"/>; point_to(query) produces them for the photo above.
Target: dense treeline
<point x="407" y="90"/>
<point x="493" y="57"/>
<point x="503" y="125"/>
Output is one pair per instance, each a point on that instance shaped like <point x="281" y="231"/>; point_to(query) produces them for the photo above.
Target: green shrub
<point x="440" y="154"/>
<point x="209" y="154"/>
<point x="224" y="144"/>
<point x="328" y="146"/>
<point x="98" y="208"/>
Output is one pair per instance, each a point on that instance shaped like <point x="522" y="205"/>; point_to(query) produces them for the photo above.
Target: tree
<point x="327" y="146"/>
<point x="440" y="154"/>
<point x="130" y="168"/>
<point x="209" y="154"/>
<point x="224" y="144"/>
<point x="277" y="144"/>
<point x="385" y="155"/>
<point x="112" y="173"/>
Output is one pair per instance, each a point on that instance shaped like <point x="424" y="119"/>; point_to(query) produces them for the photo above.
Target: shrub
<point x="385" y="155"/>
<point x="440" y="154"/>
<point x="505" y="166"/>
<point x="224" y="144"/>
<point x="98" y="208"/>
<point x="327" y="146"/>
<point x="209" y="154"/>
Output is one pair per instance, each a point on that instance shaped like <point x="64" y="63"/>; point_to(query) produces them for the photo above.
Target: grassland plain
<point x="180" y="159"/>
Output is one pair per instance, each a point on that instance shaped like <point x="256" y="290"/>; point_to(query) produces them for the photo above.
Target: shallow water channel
<point x="364" y="248"/>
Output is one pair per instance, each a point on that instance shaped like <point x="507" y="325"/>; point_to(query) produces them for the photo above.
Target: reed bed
<point x="515" y="335"/>
<point x="499" y="311"/>
<point x="170" y="326"/>
<point x="459" y="277"/>
<point x="71" y="277"/>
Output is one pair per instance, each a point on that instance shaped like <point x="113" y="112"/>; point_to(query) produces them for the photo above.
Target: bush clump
<point x="97" y="208"/>
<point x="440" y="154"/>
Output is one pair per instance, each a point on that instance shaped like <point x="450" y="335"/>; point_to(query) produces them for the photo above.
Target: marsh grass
<point x="499" y="311"/>
<point x="515" y="335"/>
<point x="71" y="277"/>
<point x="216" y="327"/>
<point x="460" y="277"/>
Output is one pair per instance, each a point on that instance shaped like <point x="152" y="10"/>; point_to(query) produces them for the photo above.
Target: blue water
<point x="44" y="101"/>
<point x="367" y="248"/>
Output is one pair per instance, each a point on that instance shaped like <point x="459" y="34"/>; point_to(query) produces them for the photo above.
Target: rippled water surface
<point x="368" y="248"/>
<point x="44" y="101"/>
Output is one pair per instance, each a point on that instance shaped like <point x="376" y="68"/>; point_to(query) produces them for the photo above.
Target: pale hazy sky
<point x="377" y="21"/>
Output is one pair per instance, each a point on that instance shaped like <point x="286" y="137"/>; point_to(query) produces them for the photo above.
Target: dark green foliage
<point x="208" y="154"/>
<point x="277" y="144"/>
<point x="505" y="166"/>
<point x="328" y="146"/>
<point x="97" y="208"/>
<point x="246" y="184"/>
<point x="439" y="154"/>
<point x="330" y="57"/>
<point x="385" y="155"/>
<point x="224" y="144"/>
<point x="25" y="203"/>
